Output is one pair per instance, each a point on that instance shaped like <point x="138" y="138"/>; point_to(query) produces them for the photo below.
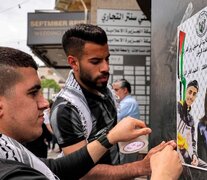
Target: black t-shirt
<point x="73" y="167"/>
<point x="13" y="170"/>
<point x="68" y="128"/>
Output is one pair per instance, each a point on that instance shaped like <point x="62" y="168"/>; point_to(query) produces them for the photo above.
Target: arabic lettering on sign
<point x="201" y="50"/>
<point x="115" y="17"/>
<point x="116" y="40"/>
<point x="195" y="69"/>
<point x="127" y="31"/>
<point x="198" y="48"/>
<point x="126" y="50"/>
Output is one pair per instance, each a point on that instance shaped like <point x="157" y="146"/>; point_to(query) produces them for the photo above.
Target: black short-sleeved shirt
<point x="13" y="170"/>
<point x="73" y="166"/>
<point x="67" y="124"/>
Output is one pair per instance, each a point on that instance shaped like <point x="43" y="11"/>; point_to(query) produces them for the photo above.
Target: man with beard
<point x="85" y="109"/>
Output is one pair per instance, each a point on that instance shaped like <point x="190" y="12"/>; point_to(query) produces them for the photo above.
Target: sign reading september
<point x="192" y="91"/>
<point x="48" y="28"/>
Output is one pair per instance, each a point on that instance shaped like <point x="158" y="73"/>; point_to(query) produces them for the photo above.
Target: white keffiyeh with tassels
<point x="72" y="92"/>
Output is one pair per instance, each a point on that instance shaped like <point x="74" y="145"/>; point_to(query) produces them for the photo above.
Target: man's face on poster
<point x="191" y="94"/>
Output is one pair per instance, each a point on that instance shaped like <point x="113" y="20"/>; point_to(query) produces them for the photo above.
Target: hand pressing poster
<point x="191" y="91"/>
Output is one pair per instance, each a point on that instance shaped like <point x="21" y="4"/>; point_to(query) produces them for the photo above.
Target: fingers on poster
<point x="191" y="89"/>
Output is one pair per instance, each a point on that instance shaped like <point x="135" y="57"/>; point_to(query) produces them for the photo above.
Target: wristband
<point x="104" y="141"/>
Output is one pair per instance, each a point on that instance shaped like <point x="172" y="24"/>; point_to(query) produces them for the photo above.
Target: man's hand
<point x="166" y="164"/>
<point x="127" y="129"/>
<point x="146" y="169"/>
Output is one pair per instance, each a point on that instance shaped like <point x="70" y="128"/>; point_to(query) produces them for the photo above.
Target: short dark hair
<point x="124" y="84"/>
<point x="74" y="39"/>
<point x="10" y="60"/>
<point x="193" y="83"/>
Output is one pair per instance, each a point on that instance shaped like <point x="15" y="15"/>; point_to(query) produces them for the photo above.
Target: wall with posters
<point x="191" y="90"/>
<point x="166" y="17"/>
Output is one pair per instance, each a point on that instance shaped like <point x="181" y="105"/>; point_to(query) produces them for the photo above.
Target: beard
<point x="93" y="83"/>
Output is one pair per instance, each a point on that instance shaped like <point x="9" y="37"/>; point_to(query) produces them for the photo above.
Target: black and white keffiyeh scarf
<point x="12" y="150"/>
<point x="72" y="93"/>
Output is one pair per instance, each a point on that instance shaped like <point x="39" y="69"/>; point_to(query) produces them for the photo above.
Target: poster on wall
<point x="191" y="91"/>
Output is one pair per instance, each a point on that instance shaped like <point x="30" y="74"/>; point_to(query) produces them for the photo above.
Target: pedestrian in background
<point x="127" y="106"/>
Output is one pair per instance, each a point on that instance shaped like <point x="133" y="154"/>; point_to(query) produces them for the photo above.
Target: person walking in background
<point x="52" y="142"/>
<point x="127" y="106"/>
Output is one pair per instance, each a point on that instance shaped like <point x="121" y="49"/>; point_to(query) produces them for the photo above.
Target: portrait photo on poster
<point x="191" y="89"/>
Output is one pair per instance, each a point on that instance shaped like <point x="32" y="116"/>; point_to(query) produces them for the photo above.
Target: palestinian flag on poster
<point x="180" y="65"/>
